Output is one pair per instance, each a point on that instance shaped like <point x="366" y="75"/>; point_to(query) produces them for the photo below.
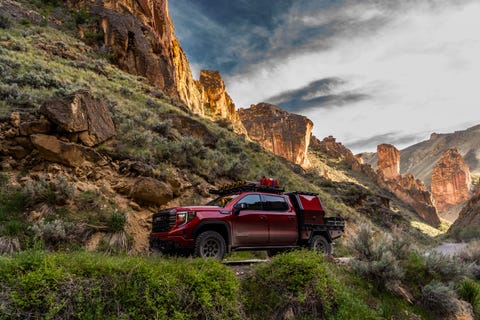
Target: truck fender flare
<point x="326" y="234"/>
<point x="207" y="225"/>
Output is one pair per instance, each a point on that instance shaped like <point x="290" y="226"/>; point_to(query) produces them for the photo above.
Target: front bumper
<point x="170" y="244"/>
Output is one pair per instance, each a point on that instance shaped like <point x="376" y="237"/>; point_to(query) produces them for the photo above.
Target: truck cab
<point x="245" y="217"/>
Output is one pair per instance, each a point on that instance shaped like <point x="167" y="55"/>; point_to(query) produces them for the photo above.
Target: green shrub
<point x="297" y="282"/>
<point x="378" y="258"/>
<point x="446" y="268"/>
<point x="5" y="22"/>
<point x="438" y="298"/>
<point x="469" y="291"/>
<point x="467" y="233"/>
<point x="117" y="220"/>
<point x="36" y="285"/>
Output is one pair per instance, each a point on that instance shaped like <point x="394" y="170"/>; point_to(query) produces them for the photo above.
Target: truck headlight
<point x="185" y="216"/>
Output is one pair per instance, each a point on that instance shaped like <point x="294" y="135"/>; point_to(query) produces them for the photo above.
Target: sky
<point x="365" y="71"/>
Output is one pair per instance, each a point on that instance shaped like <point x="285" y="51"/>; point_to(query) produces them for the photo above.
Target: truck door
<point x="250" y="226"/>
<point x="282" y="220"/>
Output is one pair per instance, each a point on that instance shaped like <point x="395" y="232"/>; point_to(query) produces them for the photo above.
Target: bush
<point x="5" y="22"/>
<point x="36" y="285"/>
<point x="467" y="233"/>
<point x="117" y="220"/>
<point x="378" y="258"/>
<point x="446" y="268"/>
<point x="54" y="192"/>
<point x="438" y="298"/>
<point x="297" y="282"/>
<point x="469" y="291"/>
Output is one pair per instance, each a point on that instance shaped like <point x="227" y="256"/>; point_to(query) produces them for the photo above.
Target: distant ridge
<point x="419" y="159"/>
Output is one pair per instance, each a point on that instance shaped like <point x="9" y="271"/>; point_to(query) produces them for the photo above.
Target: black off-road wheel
<point x="320" y="244"/>
<point x="210" y="244"/>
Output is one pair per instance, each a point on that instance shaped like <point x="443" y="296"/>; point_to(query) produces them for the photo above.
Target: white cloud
<point x="422" y="71"/>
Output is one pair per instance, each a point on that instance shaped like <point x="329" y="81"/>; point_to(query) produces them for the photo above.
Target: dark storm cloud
<point x="395" y="138"/>
<point x="317" y="94"/>
<point x="235" y="36"/>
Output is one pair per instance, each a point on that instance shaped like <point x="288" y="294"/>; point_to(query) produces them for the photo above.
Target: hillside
<point x="419" y="159"/>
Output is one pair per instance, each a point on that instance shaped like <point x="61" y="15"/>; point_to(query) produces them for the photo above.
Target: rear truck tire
<point x="320" y="244"/>
<point x="210" y="244"/>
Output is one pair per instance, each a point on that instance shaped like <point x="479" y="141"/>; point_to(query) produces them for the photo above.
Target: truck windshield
<point x="222" y="201"/>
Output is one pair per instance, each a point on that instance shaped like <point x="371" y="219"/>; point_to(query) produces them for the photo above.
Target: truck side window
<point x="274" y="203"/>
<point x="253" y="202"/>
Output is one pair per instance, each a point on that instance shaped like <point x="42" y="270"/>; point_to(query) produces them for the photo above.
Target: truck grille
<point x="163" y="220"/>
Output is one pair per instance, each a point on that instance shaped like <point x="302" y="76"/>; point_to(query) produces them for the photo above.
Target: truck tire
<point x="210" y="244"/>
<point x="320" y="243"/>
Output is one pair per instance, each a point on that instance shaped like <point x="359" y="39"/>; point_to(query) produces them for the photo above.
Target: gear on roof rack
<point x="265" y="185"/>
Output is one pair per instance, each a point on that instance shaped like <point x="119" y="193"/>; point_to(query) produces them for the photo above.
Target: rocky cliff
<point x="283" y="133"/>
<point x="470" y="214"/>
<point x="406" y="188"/>
<point x="451" y="182"/>
<point x="140" y="36"/>
<point x="216" y="101"/>
<point x="388" y="161"/>
<point x="421" y="158"/>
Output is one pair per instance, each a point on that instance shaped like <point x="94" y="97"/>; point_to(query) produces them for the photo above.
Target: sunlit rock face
<point x="283" y="133"/>
<point x="215" y="100"/>
<point x="388" y="161"/>
<point x="451" y="181"/>
<point x="140" y="36"/>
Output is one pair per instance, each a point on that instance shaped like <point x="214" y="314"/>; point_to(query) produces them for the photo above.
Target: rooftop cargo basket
<point x="268" y="185"/>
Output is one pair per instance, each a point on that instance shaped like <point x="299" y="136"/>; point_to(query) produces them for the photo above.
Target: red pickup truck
<point x="247" y="216"/>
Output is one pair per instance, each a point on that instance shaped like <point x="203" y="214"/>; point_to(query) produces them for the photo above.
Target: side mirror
<point x="239" y="207"/>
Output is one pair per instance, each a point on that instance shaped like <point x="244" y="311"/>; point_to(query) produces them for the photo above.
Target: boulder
<point x="451" y="181"/>
<point x="39" y="126"/>
<point x="55" y="150"/>
<point x="81" y="113"/>
<point x="283" y="133"/>
<point x="151" y="191"/>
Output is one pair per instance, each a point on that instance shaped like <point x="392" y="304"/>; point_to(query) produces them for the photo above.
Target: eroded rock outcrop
<point x="407" y="188"/>
<point x="388" y="161"/>
<point x="216" y="101"/>
<point x="283" y="133"/>
<point x="470" y="214"/>
<point x="140" y="34"/>
<point x="83" y="114"/>
<point x="451" y="181"/>
<point x="67" y="153"/>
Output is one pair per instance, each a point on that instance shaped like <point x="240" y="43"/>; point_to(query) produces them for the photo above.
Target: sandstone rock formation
<point x="408" y="189"/>
<point x="451" y="181"/>
<point x="283" y="133"/>
<point x="337" y="150"/>
<point x="388" y="161"/>
<point x="83" y="114"/>
<point x="70" y="154"/>
<point x="421" y="158"/>
<point x="470" y="214"/>
<point x="413" y="192"/>
<point x="141" y="36"/>
<point x="216" y="101"/>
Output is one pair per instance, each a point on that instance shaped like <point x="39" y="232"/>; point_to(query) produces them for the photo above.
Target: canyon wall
<point x="283" y="133"/>
<point x="451" y="182"/>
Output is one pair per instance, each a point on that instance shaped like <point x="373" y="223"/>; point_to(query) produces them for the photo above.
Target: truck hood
<point x="199" y="208"/>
